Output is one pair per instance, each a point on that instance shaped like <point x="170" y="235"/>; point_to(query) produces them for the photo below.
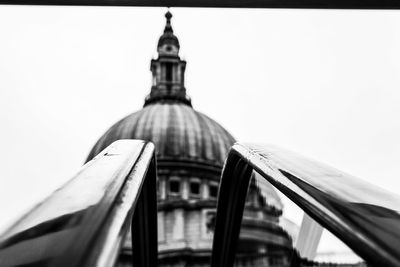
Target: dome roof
<point x="180" y="134"/>
<point x="178" y="131"/>
<point x="168" y="38"/>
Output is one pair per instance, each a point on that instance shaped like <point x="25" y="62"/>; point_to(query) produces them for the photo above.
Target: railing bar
<point x="123" y="208"/>
<point x="84" y="222"/>
<point x="235" y="181"/>
<point x="92" y="221"/>
<point x="315" y="209"/>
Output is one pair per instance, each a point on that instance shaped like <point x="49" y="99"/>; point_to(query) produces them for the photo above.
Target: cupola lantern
<point x="168" y="70"/>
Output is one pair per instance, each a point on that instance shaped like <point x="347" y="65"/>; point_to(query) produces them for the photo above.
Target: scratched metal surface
<point x="83" y="222"/>
<point x="365" y="217"/>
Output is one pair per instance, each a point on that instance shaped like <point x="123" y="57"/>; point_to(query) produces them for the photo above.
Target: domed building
<point x="190" y="150"/>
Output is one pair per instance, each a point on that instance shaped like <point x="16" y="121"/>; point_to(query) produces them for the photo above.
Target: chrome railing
<point x="85" y="222"/>
<point x="365" y="217"/>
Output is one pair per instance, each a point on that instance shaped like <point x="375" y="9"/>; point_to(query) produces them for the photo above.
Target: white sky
<point x="323" y="83"/>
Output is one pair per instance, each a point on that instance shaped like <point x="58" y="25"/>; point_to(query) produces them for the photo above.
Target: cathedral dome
<point x="178" y="131"/>
<point x="182" y="135"/>
<point x="190" y="149"/>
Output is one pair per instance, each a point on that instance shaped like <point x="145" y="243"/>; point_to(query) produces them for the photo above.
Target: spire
<point x="168" y="70"/>
<point x="168" y="37"/>
<point x="168" y="27"/>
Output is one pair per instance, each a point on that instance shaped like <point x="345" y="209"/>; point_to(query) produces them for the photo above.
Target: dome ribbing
<point x="178" y="132"/>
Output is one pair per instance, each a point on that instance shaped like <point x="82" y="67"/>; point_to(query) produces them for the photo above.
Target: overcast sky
<point x="323" y="83"/>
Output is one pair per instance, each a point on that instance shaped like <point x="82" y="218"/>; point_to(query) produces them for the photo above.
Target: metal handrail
<point x="363" y="216"/>
<point x="85" y="222"/>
